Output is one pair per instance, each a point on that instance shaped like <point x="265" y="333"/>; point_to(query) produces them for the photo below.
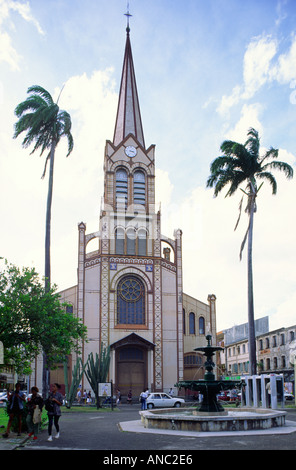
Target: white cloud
<point x="285" y="69"/>
<point x="24" y="10"/>
<point x="261" y="65"/>
<point x="249" y="118"/>
<point x="8" y="53"/>
<point x="257" y="60"/>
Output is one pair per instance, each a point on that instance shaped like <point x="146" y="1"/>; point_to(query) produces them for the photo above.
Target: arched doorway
<point x="131" y="364"/>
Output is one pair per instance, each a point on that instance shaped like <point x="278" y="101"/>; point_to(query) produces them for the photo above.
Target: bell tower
<point x="129" y="174"/>
<point x="129" y="295"/>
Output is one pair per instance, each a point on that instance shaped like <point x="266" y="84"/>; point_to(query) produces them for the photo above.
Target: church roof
<point x="128" y="119"/>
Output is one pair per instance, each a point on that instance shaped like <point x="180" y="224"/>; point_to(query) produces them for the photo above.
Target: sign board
<point x="105" y="389"/>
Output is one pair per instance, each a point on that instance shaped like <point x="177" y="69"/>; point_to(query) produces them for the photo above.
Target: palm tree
<point x="44" y="124"/>
<point x="242" y="164"/>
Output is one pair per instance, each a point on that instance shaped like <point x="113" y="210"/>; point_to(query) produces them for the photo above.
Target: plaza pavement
<point x="122" y="430"/>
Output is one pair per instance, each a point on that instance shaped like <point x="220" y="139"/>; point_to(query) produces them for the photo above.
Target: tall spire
<point x="128" y="119"/>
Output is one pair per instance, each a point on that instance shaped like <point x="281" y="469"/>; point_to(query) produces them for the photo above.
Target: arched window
<point x="139" y="187"/>
<point x="201" y="325"/>
<point x="191" y="323"/>
<point x="121" y="189"/>
<point x="131" y="301"/>
<point x="142" y="242"/>
<point x="131" y="242"/>
<point x="119" y="241"/>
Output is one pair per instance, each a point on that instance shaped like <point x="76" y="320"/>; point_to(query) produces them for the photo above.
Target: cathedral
<point x="129" y="290"/>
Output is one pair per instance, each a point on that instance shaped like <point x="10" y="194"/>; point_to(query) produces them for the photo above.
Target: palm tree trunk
<point x="251" y="320"/>
<point x="46" y="370"/>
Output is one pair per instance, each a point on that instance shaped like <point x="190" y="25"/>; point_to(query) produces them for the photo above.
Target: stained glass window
<point x="131" y="301"/>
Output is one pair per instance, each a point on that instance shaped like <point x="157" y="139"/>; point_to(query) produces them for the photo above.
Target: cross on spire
<point x="128" y="15"/>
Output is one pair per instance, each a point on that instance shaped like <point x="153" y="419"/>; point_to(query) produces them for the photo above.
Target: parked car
<point x="288" y="396"/>
<point x="223" y="396"/>
<point x="163" y="400"/>
<point x="3" y="399"/>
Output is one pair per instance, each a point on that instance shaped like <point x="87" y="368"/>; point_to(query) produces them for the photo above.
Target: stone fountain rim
<point x="255" y="413"/>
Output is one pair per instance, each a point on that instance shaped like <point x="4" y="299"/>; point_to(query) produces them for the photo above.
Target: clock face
<point x="131" y="151"/>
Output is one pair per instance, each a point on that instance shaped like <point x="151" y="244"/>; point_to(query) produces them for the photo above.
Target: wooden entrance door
<point x="131" y="370"/>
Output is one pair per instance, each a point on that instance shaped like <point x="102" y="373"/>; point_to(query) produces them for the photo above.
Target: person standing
<point x="34" y="404"/>
<point x="15" y="408"/>
<point x="118" y="399"/>
<point x="129" y="397"/>
<point x="143" y="399"/>
<point x="56" y="398"/>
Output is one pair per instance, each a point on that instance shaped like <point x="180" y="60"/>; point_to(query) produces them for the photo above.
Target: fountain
<point x="210" y="414"/>
<point x="209" y="387"/>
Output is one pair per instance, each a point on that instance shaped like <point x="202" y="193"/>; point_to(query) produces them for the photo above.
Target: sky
<point x="206" y="72"/>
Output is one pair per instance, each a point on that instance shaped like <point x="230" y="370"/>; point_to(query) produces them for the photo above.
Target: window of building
<point x="142" y="243"/>
<point x="201" y="325"/>
<point x="131" y="301"/>
<point x="139" y="187"/>
<point x="282" y="339"/>
<point x="292" y="335"/>
<point x="283" y="361"/>
<point x="267" y="343"/>
<point x="275" y="362"/>
<point x="191" y="323"/>
<point x="184" y="322"/>
<point x="121" y="189"/>
<point x="131" y="242"/>
<point x="119" y="241"/>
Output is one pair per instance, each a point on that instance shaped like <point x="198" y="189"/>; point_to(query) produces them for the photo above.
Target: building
<point x="129" y="290"/>
<point x="275" y="352"/>
<point x="237" y="347"/>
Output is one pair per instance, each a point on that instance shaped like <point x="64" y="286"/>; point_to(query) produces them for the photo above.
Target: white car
<point x="163" y="400"/>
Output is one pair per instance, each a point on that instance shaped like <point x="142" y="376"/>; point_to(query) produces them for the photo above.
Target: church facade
<point x="129" y="290"/>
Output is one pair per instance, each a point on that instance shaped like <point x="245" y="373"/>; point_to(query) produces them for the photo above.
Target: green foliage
<point x="77" y="374"/>
<point x="242" y="163"/>
<point x="32" y="320"/>
<point x="43" y="122"/>
<point x="97" y="370"/>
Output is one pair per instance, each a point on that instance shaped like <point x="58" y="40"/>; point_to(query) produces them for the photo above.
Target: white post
<point x="273" y="392"/>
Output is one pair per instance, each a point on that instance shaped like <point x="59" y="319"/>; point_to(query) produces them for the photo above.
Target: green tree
<point x="32" y="320"/>
<point x="97" y="370"/>
<point x="44" y="124"/>
<point x="241" y="164"/>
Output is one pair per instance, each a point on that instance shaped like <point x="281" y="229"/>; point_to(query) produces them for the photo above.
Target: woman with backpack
<point x="52" y="405"/>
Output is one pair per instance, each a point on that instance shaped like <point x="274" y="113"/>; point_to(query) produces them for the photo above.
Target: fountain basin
<point x="240" y="419"/>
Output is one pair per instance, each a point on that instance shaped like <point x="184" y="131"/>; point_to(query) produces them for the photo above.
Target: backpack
<point x="49" y="406"/>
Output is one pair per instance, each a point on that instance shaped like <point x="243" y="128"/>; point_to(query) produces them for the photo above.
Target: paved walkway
<point x="122" y="430"/>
